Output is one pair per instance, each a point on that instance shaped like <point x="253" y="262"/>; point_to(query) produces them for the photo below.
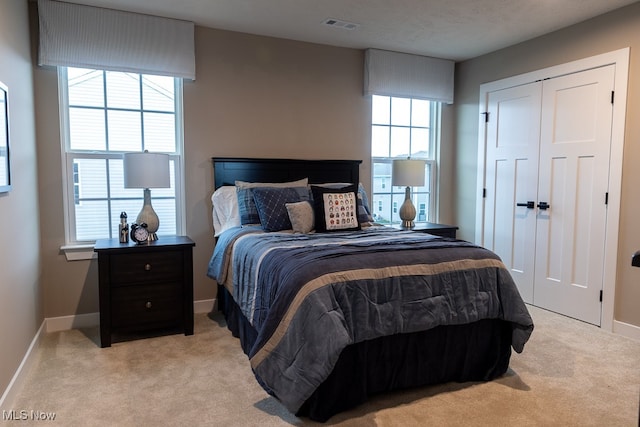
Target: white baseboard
<point x="76" y="321"/>
<point x="626" y="330"/>
<point x="204" y="306"/>
<point x="28" y="360"/>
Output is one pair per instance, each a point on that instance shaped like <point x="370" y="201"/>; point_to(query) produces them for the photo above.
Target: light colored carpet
<point x="570" y="374"/>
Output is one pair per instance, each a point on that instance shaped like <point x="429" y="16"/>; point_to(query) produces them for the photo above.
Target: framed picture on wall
<point x="5" y="163"/>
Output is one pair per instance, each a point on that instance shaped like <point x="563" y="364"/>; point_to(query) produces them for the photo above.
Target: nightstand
<point x="145" y="288"/>
<point x="442" y="230"/>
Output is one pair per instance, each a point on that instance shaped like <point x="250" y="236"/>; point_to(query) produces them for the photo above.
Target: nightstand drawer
<point x="146" y="267"/>
<point x="142" y="305"/>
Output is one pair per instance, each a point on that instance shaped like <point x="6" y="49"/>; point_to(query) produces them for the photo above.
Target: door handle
<point x="543" y="205"/>
<point x="529" y="204"/>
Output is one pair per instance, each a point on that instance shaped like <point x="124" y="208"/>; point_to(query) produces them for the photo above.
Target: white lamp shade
<point x="408" y="173"/>
<point x="146" y="170"/>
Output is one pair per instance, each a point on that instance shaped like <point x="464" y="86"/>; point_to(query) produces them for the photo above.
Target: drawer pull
<point x="147" y="267"/>
<point x="148" y="304"/>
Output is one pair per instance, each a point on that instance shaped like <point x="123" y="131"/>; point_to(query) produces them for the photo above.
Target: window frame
<point x="396" y="193"/>
<point x="83" y="249"/>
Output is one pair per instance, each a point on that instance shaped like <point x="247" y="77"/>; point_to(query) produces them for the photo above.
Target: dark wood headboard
<point x="227" y="170"/>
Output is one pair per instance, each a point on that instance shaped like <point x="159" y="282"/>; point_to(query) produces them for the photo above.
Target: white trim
<point x="620" y="56"/>
<point x="74" y="321"/>
<point x="482" y="166"/>
<point x="204" y="306"/>
<point x="626" y="330"/>
<point x="78" y="252"/>
<point x="29" y="359"/>
<point x="620" y="59"/>
<point x="63" y="117"/>
<point x="181" y="208"/>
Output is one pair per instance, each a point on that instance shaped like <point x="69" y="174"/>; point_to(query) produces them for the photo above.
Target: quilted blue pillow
<point x="364" y="214"/>
<point x="247" y="207"/>
<point x="271" y="206"/>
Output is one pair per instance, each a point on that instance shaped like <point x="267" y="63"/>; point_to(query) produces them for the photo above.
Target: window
<point x="402" y="128"/>
<point x="105" y="114"/>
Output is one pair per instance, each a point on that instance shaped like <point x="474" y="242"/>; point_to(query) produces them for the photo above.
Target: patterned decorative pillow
<point x="301" y="216"/>
<point x="335" y="209"/>
<point x="271" y="205"/>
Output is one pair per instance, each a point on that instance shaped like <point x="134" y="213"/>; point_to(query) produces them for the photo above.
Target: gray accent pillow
<point x="301" y="216"/>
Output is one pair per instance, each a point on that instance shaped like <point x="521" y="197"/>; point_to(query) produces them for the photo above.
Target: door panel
<point x="521" y="235"/>
<point x="512" y="145"/>
<point x="573" y="179"/>
<point x="552" y="246"/>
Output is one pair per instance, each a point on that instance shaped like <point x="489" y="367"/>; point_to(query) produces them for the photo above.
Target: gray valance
<point x="413" y="76"/>
<point x="73" y="35"/>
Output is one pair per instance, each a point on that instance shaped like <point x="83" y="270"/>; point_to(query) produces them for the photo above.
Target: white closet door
<point x="573" y="180"/>
<point x="512" y="144"/>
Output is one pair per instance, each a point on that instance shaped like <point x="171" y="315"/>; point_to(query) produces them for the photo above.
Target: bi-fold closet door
<point x="546" y="178"/>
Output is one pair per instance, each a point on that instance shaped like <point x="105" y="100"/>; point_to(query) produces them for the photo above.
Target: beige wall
<point x="606" y="33"/>
<point x="20" y="289"/>
<point x="253" y="96"/>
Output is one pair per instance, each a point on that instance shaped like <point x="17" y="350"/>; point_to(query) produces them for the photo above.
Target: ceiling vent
<point x="336" y="23"/>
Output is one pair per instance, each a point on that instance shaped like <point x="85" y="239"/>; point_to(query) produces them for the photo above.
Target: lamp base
<point x="407" y="210"/>
<point x="148" y="216"/>
<point x="408" y="225"/>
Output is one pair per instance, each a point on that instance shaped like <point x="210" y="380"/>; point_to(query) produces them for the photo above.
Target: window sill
<point x="79" y="252"/>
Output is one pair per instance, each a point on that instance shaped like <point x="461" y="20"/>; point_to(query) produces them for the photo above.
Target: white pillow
<point x="225" y="209"/>
<point x="333" y="184"/>
<point x="299" y="183"/>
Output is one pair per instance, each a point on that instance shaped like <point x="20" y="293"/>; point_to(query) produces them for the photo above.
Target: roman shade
<point x="414" y="76"/>
<point x="73" y="35"/>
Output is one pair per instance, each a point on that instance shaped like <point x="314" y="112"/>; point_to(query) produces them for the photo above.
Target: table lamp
<point x="409" y="173"/>
<point x="147" y="170"/>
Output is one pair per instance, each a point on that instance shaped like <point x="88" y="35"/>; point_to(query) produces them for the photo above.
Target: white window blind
<point x="73" y="35"/>
<point x="412" y="76"/>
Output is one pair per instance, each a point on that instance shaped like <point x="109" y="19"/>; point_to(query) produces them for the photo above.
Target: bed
<point x="332" y="317"/>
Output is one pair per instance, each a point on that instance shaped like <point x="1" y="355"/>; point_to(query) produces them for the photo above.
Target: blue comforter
<point x="310" y="295"/>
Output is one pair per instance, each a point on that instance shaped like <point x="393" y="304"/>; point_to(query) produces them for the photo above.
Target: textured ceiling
<point x="451" y="29"/>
